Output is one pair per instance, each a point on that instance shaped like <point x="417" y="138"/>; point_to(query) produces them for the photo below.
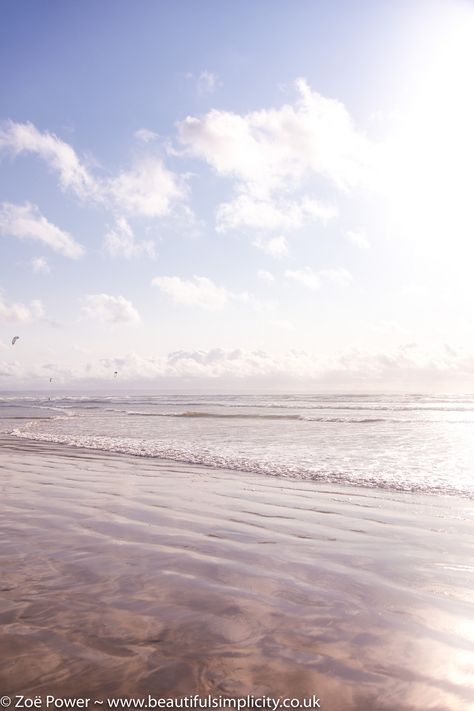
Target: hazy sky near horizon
<point x="249" y="194"/>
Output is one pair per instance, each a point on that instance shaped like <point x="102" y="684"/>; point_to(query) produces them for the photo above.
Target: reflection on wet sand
<point x="128" y="576"/>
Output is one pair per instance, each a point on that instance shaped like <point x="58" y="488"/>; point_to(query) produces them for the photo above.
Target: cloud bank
<point x="405" y="367"/>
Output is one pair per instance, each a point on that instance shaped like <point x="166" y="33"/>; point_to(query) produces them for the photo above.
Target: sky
<point x="244" y="195"/>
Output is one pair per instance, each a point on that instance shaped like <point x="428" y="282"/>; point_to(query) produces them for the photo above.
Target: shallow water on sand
<point x="123" y="575"/>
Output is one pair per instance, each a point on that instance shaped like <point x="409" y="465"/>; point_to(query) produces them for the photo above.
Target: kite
<point x="15" y="339"/>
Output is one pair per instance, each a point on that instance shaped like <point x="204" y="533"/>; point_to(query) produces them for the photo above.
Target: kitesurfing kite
<point x="15" y="339"/>
<point x="115" y="373"/>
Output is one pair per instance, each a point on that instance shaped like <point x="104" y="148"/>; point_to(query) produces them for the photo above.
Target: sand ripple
<point x="125" y="576"/>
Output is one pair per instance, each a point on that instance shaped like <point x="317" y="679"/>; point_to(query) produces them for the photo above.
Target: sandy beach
<point x="130" y="576"/>
<point x="236" y="355"/>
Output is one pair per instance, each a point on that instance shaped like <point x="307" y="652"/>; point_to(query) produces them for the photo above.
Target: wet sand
<point x="130" y="576"/>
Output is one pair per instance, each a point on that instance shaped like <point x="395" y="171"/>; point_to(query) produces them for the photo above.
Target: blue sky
<point x="270" y="194"/>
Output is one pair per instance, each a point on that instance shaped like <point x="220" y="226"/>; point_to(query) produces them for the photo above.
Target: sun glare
<point x="432" y="156"/>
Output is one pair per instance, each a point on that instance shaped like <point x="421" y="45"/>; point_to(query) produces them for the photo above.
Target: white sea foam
<point x="405" y="443"/>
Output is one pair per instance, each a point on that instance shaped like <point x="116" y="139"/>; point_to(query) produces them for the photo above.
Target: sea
<point x="416" y="442"/>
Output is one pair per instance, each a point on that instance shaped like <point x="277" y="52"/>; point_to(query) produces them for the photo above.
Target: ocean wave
<point x="302" y="403"/>
<point x="252" y="416"/>
<point x="25" y="417"/>
<point x="415" y="408"/>
<point x="216" y="460"/>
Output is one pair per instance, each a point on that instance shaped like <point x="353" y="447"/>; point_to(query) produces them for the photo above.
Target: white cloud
<point x="26" y="138"/>
<point x="318" y="210"/>
<point x="40" y="265"/>
<point x="356" y="367"/>
<point x="27" y="222"/>
<point x="111" y="309"/>
<point x="201" y="291"/>
<point x="13" y="312"/>
<point x="207" y="82"/>
<point x="220" y="363"/>
<point x="275" y="246"/>
<point x="358" y="238"/>
<point x="20" y="313"/>
<point x="314" y="279"/>
<point x="198" y="291"/>
<point x="306" y="276"/>
<point x="246" y="211"/>
<point x="149" y="189"/>
<point x="145" y="135"/>
<point x="265" y="276"/>
<point x="120" y="242"/>
<point x="270" y="154"/>
<point x="402" y="367"/>
<point x="273" y="149"/>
